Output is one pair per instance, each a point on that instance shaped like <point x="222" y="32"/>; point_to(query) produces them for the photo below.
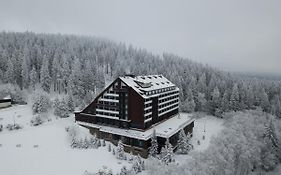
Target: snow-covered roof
<point x="8" y="97"/>
<point x="147" y="83"/>
<point x="164" y="129"/>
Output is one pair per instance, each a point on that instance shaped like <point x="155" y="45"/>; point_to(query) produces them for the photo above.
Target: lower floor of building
<point x="141" y="145"/>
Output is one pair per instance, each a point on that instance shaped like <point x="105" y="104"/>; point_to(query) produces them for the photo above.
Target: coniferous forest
<point x="79" y="66"/>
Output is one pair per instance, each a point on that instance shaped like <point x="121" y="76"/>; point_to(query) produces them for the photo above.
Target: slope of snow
<point x="208" y="126"/>
<point x="45" y="149"/>
<point x="212" y="126"/>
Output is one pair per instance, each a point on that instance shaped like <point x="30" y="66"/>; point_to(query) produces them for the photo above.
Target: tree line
<point x="80" y="65"/>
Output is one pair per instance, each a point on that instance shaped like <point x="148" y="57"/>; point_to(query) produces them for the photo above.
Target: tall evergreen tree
<point x="167" y="154"/>
<point x="234" y="99"/>
<point x="183" y="143"/>
<point x="25" y="73"/>
<point x="33" y="78"/>
<point x="9" y="74"/>
<point x="45" y="78"/>
<point x="215" y="101"/>
<point x="264" y="101"/>
<point x="153" y="150"/>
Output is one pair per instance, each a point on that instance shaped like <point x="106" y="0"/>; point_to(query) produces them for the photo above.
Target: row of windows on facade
<point x="108" y="103"/>
<point x="162" y="106"/>
<point x="169" y="98"/>
<point x="162" y="95"/>
<point x="110" y="97"/>
<point x="125" y="116"/>
<point x="107" y="114"/>
<point x="169" y="108"/>
<point x="159" y="91"/>
<point x="169" y="103"/>
<point x="107" y="108"/>
<point x="163" y="100"/>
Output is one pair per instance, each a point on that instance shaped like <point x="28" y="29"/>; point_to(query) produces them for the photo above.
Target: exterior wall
<point x="127" y="142"/>
<point x="136" y="112"/>
<point x="5" y="104"/>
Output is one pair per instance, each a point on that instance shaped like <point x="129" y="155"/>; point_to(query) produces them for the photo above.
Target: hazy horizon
<point x="236" y="36"/>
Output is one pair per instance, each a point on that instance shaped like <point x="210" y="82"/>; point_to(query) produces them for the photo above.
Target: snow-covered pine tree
<point x="61" y="109"/>
<point x="278" y="107"/>
<point x="70" y="102"/>
<point x="153" y="150"/>
<point x="202" y="102"/>
<point x="138" y="164"/>
<point x="45" y="78"/>
<point x="183" y="143"/>
<point x="225" y="102"/>
<point x="93" y="141"/>
<point x="10" y="74"/>
<point x="98" y="143"/>
<point x="33" y="78"/>
<point x="264" y="101"/>
<point x="166" y="155"/>
<point x="270" y="151"/>
<point x="103" y="143"/>
<point x="215" y="101"/>
<point x="188" y="105"/>
<point x="120" y="151"/>
<point x="234" y="99"/>
<point x="25" y="73"/>
<point x="41" y="102"/>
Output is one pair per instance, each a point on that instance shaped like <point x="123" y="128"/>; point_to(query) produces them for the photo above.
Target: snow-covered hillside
<point x="45" y="149"/>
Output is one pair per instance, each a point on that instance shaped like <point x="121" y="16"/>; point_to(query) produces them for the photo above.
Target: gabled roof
<point x="142" y="84"/>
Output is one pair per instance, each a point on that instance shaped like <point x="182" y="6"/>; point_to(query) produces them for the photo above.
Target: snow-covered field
<point x="53" y="154"/>
<point x="45" y="149"/>
<point x="209" y="127"/>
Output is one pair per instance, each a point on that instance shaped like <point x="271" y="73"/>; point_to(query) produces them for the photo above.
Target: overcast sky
<point x="234" y="35"/>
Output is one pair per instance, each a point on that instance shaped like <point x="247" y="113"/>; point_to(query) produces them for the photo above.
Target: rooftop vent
<point x="144" y="85"/>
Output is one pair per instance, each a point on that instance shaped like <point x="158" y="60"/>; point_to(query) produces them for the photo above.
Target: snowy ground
<point x="20" y="154"/>
<point x="209" y="126"/>
<point x="45" y="149"/>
